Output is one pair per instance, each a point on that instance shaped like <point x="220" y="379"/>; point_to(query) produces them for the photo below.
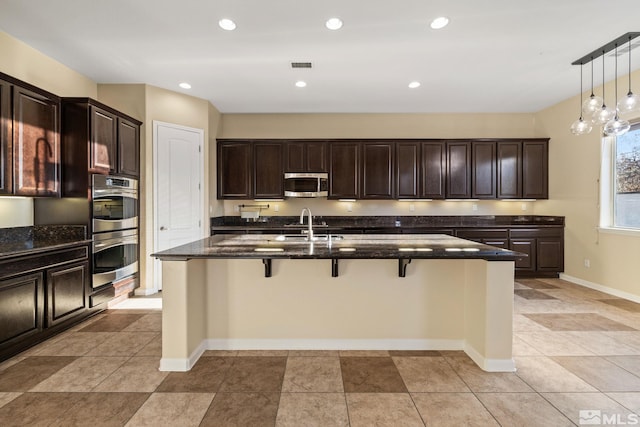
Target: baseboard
<point x="333" y="344"/>
<point x="490" y="365"/>
<point x="182" y="365"/>
<point x="143" y="292"/>
<point x="607" y="290"/>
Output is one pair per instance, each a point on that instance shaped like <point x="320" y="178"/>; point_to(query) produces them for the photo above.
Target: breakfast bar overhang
<point x="357" y="292"/>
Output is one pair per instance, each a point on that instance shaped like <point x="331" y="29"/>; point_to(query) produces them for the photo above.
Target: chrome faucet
<point x="310" y="220"/>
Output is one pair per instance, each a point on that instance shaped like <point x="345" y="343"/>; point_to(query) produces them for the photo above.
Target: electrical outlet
<point x="276" y="208"/>
<point x="412" y="207"/>
<point x="587" y="262"/>
<point x="524" y="207"/>
<point x="474" y="207"/>
<point x="349" y="207"/>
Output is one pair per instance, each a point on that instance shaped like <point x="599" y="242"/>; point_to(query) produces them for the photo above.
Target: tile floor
<point x="575" y="348"/>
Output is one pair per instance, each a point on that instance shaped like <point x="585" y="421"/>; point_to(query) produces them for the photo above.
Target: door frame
<point x="157" y="265"/>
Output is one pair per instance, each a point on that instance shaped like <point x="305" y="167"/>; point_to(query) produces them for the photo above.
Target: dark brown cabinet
<point x="458" y="183"/>
<point x="36" y="143"/>
<point x="41" y="294"/>
<point x="21" y="309"/>
<point x="377" y="170"/>
<point x="306" y="156"/>
<point x="434" y="170"/>
<point x="235" y="170"/>
<point x="491" y="236"/>
<point x="66" y="291"/>
<point x="535" y="169"/>
<point x="6" y="158"/>
<point x="344" y="165"/>
<point x="408" y="172"/>
<point x="483" y="170"/>
<point x="103" y="141"/>
<point x="545" y="247"/>
<point x="509" y="169"/>
<point x="96" y="139"/>
<point x="268" y="177"/>
<point x="128" y="147"/>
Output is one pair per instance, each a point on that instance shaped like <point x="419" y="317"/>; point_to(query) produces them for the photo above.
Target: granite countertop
<point x="330" y="223"/>
<point x="19" y="241"/>
<point x="370" y="246"/>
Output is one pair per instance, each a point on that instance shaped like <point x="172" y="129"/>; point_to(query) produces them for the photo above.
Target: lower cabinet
<point x="21" y="309"/>
<point x="40" y="295"/>
<point x="66" y="292"/>
<point x="544" y="247"/>
<point x="493" y="237"/>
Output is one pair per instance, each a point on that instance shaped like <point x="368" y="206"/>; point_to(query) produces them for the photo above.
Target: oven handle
<point x="112" y="243"/>
<point x="114" y="193"/>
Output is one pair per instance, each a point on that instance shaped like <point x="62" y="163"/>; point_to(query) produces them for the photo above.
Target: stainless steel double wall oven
<point x="115" y="228"/>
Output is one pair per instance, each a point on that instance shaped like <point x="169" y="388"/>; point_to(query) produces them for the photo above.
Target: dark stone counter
<point x="19" y="241"/>
<point x="369" y="246"/>
<point x="388" y="223"/>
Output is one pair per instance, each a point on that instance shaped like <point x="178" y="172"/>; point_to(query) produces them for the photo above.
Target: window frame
<point x="607" y="187"/>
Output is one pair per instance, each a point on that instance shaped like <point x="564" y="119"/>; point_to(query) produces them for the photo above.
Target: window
<point x="620" y="181"/>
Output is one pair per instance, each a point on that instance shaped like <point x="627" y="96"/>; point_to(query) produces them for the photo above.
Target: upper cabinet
<point x="97" y="139"/>
<point x="36" y="143"/>
<point x="6" y="158"/>
<point x="458" y="170"/>
<point x="377" y="170"/>
<point x="344" y="166"/>
<point x="535" y="169"/>
<point x="305" y="156"/>
<point x="385" y="169"/>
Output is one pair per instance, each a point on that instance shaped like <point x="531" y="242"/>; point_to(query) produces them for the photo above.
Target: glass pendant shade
<point x="592" y="105"/>
<point x="616" y="127"/>
<point x="581" y="127"/>
<point x="630" y="103"/>
<point x="603" y="115"/>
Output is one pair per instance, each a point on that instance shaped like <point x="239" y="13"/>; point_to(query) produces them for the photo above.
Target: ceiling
<point x="494" y="56"/>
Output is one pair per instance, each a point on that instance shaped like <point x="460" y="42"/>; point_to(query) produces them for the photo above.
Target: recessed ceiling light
<point x="227" y="24"/>
<point x="301" y="83"/>
<point x="414" y="85"/>
<point x="333" y="23"/>
<point x="185" y="85"/>
<point x="439" y="22"/>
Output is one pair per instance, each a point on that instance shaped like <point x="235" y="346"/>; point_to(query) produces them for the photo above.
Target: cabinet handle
<point x="162" y="228"/>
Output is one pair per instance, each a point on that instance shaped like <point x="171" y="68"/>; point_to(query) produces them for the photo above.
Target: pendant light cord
<point x="592" y="94"/>
<point x="581" y="64"/>
<point x="604" y="102"/>
<point x="616" y="81"/>
<point x="629" y="52"/>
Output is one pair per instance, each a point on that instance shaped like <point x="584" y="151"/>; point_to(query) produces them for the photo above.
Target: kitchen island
<point x="365" y="292"/>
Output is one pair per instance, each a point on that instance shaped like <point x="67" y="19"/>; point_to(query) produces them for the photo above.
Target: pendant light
<point x="616" y="126"/>
<point x="580" y="127"/>
<point x="593" y="103"/>
<point x="631" y="102"/>
<point x="604" y="114"/>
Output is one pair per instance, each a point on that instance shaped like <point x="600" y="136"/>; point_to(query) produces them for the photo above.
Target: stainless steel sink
<point x="303" y="238"/>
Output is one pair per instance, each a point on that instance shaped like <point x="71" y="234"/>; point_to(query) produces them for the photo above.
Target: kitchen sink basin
<point x="303" y="238"/>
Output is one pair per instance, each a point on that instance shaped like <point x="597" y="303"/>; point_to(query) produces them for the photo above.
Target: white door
<point x="178" y="187"/>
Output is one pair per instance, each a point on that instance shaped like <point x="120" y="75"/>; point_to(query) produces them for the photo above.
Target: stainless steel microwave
<point x="307" y="184"/>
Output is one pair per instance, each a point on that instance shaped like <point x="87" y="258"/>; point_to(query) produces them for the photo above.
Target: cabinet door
<point x="509" y="161"/>
<point x="268" y="171"/>
<point x="295" y="157"/>
<point x="483" y="170"/>
<point x="21" y="308"/>
<point x="535" y="169"/>
<point x="128" y="148"/>
<point x="235" y="170"/>
<point x="458" y="170"/>
<point x="550" y="254"/>
<point x="36" y="144"/>
<point x="407" y="170"/>
<point x="102" y="147"/>
<point x="316" y="157"/>
<point x="525" y="246"/>
<point x="432" y="181"/>
<point x="66" y="292"/>
<point x="344" y="162"/>
<point x="6" y="160"/>
<point x="377" y="170"/>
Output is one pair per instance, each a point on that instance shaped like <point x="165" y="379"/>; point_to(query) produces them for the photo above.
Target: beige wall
<point x="149" y="104"/>
<point x="27" y="64"/>
<point x="574" y="168"/>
